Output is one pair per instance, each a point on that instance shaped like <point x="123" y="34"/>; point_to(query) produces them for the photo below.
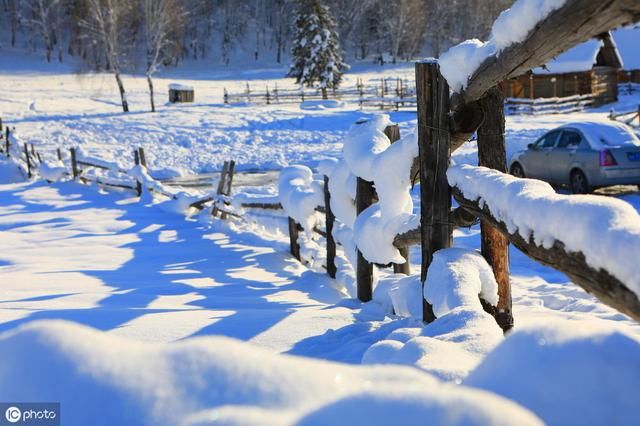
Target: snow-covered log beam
<point x="600" y="283"/>
<point x="574" y="22"/>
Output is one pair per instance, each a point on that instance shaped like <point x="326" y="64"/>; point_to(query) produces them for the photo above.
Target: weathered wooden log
<point x="574" y="22"/>
<point x="263" y="206"/>
<point x="329" y="220"/>
<point x="7" y="142"/>
<point x="494" y="245"/>
<point x="604" y="286"/>
<point x="59" y="153"/>
<point x="221" y="183"/>
<point x="434" y="151"/>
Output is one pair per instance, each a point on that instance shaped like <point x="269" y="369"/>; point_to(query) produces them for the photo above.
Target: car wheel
<point x="579" y="183"/>
<point x="516" y="170"/>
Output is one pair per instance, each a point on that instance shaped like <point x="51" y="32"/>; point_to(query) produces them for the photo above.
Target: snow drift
<point x="101" y="379"/>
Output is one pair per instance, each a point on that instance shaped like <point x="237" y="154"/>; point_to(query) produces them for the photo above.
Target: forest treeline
<point x="225" y="29"/>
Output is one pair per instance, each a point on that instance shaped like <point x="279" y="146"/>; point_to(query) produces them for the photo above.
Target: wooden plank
<point x="329" y="220"/>
<point x="434" y="153"/>
<point x="136" y="159"/>
<point x="494" y="245"/>
<point x="27" y="159"/>
<point x="230" y="174"/>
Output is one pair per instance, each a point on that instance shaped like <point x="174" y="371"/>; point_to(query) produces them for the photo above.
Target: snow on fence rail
<point x="628" y="117"/>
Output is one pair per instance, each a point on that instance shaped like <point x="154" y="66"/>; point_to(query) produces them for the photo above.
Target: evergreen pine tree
<point x="317" y="56"/>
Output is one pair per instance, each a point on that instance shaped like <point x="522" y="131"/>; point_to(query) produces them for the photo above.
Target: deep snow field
<point x="128" y="313"/>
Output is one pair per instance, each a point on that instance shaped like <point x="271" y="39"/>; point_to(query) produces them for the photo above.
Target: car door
<point x="562" y="156"/>
<point x="536" y="159"/>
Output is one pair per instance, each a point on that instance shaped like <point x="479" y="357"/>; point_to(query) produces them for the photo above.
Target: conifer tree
<point x="316" y="52"/>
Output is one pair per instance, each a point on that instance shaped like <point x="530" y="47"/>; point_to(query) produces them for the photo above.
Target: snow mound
<point x="567" y="375"/>
<point x="319" y="105"/>
<point x="101" y="379"/>
<point x="300" y="194"/>
<point x="10" y="172"/>
<point x="456" y="277"/>
<point x="604" y="229"/>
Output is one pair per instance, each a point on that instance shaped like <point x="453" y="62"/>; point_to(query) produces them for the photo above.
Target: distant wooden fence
<point x="564" y="105"/>
<point x="382" y="93"/>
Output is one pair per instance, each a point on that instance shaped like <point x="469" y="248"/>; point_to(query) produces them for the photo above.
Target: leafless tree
<point x="106" y="25"/>
<point x="162" y="23"/>
<point x="43" y="18"/>
<point x="404" y="26"/>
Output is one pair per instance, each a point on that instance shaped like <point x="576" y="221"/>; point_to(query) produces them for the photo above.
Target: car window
<point x="569" y="139"/>
<point x="548" y="140"/>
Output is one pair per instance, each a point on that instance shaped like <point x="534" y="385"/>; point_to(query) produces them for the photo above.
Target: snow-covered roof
<point x="627" y="40"/>
<point x="578" y="58"/>
<point x="180" y="86"/>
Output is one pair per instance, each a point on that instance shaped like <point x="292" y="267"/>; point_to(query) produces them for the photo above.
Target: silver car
<point x="585" y="156"/>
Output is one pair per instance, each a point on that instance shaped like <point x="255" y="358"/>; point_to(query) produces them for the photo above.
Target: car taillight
<point x="606" y="159"/>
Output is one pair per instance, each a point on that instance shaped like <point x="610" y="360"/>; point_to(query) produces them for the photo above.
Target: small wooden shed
<point x="180" y="93"/>
<point x="588" y="68"/>
<point x="627" y="40"/>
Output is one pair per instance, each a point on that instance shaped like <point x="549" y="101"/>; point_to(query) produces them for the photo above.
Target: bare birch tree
<point x="106" y="25"/>
<point x="43" y="18"/>
<point x="162" y="22"/>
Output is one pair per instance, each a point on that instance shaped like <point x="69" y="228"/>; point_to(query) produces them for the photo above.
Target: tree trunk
<point x="123" y="95"/>
<point x="324" y="93"/>
<point x="150" y="81"/>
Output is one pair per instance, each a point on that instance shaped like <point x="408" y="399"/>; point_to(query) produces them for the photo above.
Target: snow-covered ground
<point x="149" y="282"/>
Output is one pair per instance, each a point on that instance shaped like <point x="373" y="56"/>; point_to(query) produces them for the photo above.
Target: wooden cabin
<point x="627" y="40"/>
<point x="180" y="93"/>
<point x="588" y="68"/>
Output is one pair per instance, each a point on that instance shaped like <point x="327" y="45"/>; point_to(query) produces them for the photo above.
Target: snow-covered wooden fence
<point x="565" y="105"/>
<point x="631" y="118"/>
<point x="382" y="93"/>
<point x="475" y="105"/>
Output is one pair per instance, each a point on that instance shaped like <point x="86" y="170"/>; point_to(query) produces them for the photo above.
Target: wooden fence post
<point x="229" y="180"/>
<point x="26" y="155"/>
<point x="432" y="93"/>
<point x="364" y="269"/>
<point x="221" y="184"/>
<point x="143" y="158"/>
<point x="136" y="159"/>
<point x="59" y="154"/>
<point x="7" y="142"/>
<point x="494" y="245"/>
<point x="329" y="218"/>
<point x="294" y="246"/>
<point x="74" y="163"/>
<point x="393" y="133"/>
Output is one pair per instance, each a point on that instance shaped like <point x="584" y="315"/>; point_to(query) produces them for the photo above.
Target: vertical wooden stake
<point x="434" y="152"/>
<point x="220" y="190"/>
<point x="7" y="142"/>
<point x="136" y="159"/>
<point x="229" y="181"/>
<point x="393" y="133"/>
<point x="74" y="163"/>
<point x="494" y="245"/>
<point x="329" y="221"/>
<point x="364" y="269"/>
<point x="59" y="154"/>
<point x="26" y="155"/>
<point x="143" y="158"/>
<point x="294" y="246"/>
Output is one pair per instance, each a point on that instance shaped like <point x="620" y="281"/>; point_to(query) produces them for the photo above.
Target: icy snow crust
<point x="101" y="379"/>
<point x="512" y="26"/>
<point x="605" y="230"/>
